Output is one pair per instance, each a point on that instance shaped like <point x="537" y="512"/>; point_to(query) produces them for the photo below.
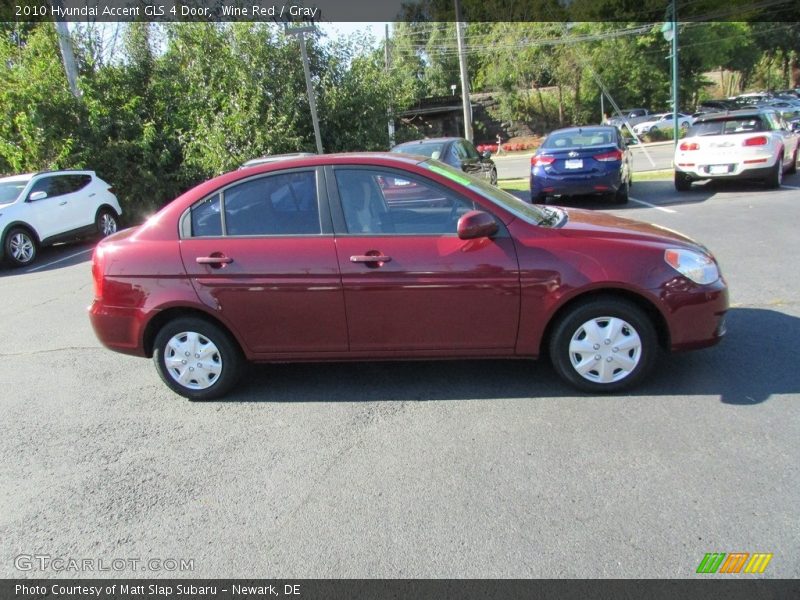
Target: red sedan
<point x="387" y="256"/>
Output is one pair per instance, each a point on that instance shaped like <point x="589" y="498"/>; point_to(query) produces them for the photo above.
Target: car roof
<point x="429" y="140"/>
<point x="746" y="112"/>
<point x="20" y="177"/>
<point x="582" y="128"/>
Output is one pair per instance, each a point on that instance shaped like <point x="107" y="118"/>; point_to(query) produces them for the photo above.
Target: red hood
<point x="602" y="225"/>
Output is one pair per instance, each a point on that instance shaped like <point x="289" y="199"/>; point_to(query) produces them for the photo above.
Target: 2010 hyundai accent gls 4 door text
<point x="388" y="256"/>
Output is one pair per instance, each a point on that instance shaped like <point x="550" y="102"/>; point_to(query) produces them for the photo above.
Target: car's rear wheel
<point x="793" y="167"/>
<point x="106" y="222"/>
<point x="493" y="177"/>
<point x="604" y="345"/>
<point x="682" y="182"/>
<point x="621" y="196"/>
<point x="775" y="178"/>
<point x="19" y="247"/>
<point x="197" y="359"/>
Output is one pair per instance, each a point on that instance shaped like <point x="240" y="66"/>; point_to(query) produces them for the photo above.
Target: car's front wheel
<point x="793" y="167"/>
<point x="493" y="177"/>
<point x="19" y="247"/>
<point x="197" y="359"/>
<point x="106" y="222"/>
<point x="604" y="345"/>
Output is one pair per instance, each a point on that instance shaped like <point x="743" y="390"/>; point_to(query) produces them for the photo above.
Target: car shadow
<point x="745" y="369"/>
<point x="53" y="258"/>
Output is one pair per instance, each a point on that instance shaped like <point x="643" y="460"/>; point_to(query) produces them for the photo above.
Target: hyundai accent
<point x="391" y="256"/>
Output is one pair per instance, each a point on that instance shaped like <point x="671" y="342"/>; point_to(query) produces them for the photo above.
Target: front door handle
<point x="368" y="258"/>
<point x="62" y="203"/>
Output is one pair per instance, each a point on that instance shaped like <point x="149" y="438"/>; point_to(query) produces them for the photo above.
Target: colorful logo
<point x="736" y="562"/>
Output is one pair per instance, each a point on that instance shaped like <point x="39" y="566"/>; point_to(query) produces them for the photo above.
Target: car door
<point x="484" y="165"/>
<point x="52" y="215"/>
<point x="470" y="163"/>
<point x="410" y="284"/>
<point x="261" y="252"/>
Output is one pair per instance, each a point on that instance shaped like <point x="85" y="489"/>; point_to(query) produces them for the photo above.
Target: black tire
<point x="106" y="222"/>
<point x="538" y="198"/>
<point x="611" y="374"/>
<point x="775" y="178"/>
<point x="682" y="182"/>
<point x="20" y="247"/>
<point x="197" y="333"/>
<point x="621" y="196"/>
<point x="493" y="177"/>
<point x="793" y="167"/>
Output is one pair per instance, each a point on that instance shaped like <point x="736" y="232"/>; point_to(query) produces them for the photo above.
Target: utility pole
<point x="387" y="60"/>
<point x="462" y="63"/>
<point x="67" y="52"/>
<point x="300" y="32"/>
<point x="675" y="90"/>
<point x="670" y="32"/>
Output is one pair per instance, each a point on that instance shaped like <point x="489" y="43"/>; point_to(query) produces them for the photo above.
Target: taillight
<point x="760" y="140"/>
<point x="612" y="156"/>
<point x="98" y="272"/>
<point x="542" y="160"/>
<point x="689" y="146"/>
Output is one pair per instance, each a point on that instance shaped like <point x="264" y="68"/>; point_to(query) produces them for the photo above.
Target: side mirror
<point x="476" y="224"/>
<point x="486" y="154"/>
<point x="37" y="196"/>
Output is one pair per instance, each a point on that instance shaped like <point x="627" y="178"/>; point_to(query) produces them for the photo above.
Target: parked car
<point x="40" y="209"/>
<point x="629" y="117"/>
<point x="308" y="260"/>
<point x="662" y="122"/>
<point x="582" y="160"/>
<point x="456" y="152"/>
<point x="272" y="158"/>
<point x="742" y="144"/>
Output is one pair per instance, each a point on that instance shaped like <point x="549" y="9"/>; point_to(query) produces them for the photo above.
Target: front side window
<point x="377" y="202"/>
<point x="52" y="186"/>
<point x="283" y="204"/>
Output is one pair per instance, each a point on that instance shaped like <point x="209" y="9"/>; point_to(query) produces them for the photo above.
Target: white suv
<point x="740" y="144"/>
<point x="39" y="209"/>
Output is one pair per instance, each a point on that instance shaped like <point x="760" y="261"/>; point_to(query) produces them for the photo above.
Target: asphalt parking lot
<point x="440" y="469"/>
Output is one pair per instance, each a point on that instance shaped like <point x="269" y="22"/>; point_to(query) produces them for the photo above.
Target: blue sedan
<point x="581" y="160"/>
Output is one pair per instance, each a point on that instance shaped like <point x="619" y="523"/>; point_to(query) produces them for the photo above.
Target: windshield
<point x="10" y="190"/>
<point x="727" y="126"/>
<point x="432" y="149"/>
<point x="534" y="214"/>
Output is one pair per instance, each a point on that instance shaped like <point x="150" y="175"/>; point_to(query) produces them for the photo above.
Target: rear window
<point x="728" y="126"/>
<point x="433" y="149"/>
<point x="580" y="139"/>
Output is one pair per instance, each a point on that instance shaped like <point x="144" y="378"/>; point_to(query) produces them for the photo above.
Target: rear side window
<point x="206" y="218"/>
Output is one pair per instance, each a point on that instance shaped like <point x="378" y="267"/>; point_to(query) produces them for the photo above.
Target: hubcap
<point x="192" y="360"/>
<point x="108" y="224"/>
<point x="21" y="248"/>
<point x="605" y="349"/>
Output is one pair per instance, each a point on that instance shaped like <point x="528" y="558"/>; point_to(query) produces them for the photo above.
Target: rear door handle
<point x="62" y="203"/>
<point x="213" y="260"/>
<point x="366" y="258"/>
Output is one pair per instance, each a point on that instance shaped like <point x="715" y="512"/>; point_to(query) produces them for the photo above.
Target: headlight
<point x="696" y="266"/>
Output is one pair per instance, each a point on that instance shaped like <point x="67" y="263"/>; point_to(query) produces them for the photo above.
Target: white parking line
<point x="643" y="203"/>
<point x="55" y="262"/>
<point x="790" y="187"/>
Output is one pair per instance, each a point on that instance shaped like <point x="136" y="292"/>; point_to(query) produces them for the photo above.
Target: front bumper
<point x="695" y="313"/>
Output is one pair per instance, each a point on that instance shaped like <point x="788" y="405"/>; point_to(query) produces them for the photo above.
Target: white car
<point x="39" y="209"/>
<point x="663" y="122"/>
<point x="740" y="144"/>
